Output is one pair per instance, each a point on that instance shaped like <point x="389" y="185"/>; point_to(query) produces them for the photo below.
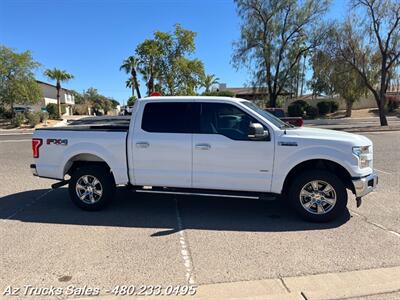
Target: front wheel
<point x="318" y="196"/>
<point x="91" y="187"/>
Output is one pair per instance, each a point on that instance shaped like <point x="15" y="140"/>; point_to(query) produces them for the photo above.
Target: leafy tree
<point x="371" y="45"/>
<point x="97" y="101"/>
<point x="130" y="66"/>
<point x="165" y="59"/>
<point x="131" y="101"/>
<point x="275" y="35"/>
<point x="149" y="54"/>
<point x="189" y="76"/>
<point x="114" y="103"/>
<point x="208" y="81"/>
<point x="17" y="81"/>
<point x="332" y="76"/>
<point x="59" y="76"/>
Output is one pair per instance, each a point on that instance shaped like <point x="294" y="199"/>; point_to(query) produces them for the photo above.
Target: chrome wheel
<point x="89" y="189"/>
<point x="318" y="197"/>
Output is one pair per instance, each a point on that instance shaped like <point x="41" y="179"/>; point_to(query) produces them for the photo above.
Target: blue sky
<point x="90" y="38"/>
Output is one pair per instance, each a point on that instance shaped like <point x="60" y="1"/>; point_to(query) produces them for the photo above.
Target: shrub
<point x="52" y="109"/>
<point x="392" y="105"/>
<point x="324" y="107"/>
<point x="297" y="108"/>
<point x="311" y="112"/>
<point x="19" y="119"/>
<point x="80" y="109"/>
<point x="44" y="116"/>
<point x="219" y="93"/>
<point x="5" y="113"/>
<point x="33" y="118"/>
<point x="334" y="106"/>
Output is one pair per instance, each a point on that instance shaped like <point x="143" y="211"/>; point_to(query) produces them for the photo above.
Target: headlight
<point x="364" y="154"/>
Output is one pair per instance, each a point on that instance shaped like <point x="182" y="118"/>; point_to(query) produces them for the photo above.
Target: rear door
<point x="223" y="156"/>
<point x="162" y="145"/>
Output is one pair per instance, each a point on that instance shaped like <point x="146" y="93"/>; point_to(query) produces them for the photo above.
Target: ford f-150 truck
<point x="213" y="146"/>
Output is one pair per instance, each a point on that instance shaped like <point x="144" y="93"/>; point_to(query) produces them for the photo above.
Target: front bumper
<point x="365" y="185"/>
<point x="33" y="170"/>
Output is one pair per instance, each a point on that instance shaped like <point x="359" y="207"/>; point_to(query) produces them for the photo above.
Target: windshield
<point x="270" y="117"/>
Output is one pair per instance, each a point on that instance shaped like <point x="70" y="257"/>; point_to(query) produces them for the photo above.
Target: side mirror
<point x="257" y="132"/>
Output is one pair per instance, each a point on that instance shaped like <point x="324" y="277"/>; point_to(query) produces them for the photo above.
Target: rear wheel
<point x="318" y="196"/>
<point x="91" y="187"/>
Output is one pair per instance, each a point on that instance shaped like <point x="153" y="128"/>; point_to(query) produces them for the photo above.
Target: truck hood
<point x="331" y="135"/>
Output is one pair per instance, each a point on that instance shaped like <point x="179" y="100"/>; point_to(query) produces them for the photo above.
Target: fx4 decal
<point x="63" y="142"/>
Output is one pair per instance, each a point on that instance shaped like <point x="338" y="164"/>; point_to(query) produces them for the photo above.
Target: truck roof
<point x="177" y="98"/>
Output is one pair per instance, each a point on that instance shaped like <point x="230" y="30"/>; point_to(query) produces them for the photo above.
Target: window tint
<point x="225" y="119"/>
<point x="168" y="117"/>
<point x="270" y="117"/>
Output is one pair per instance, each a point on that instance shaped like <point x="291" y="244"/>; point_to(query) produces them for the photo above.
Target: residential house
<point x="249" y="93"/>
<point x="49" y="93"/>
<point x="256" y="94"/>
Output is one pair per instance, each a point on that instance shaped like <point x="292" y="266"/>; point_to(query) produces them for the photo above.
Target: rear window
<point x="167" y="117"/>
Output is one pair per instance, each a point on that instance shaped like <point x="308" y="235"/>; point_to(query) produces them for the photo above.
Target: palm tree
<point x="130" y="83"/>
<point x="59" y="76"/>
<point x="130" y="65"/>
<point x="208" y="81"/>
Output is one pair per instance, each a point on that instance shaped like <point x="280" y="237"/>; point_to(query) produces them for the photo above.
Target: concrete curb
<point x="374" y="129"/>
<point x="311" y="287"/>
<point x="358" y="129"/>
<point x="321" y="286"/>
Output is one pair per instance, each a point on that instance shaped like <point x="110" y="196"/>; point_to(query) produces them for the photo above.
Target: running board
<point x="208" y="194"/>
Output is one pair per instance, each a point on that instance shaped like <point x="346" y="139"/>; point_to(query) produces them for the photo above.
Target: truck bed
<point x="119" y="124"/>
<point x="89" y="141"/>
<point x="117" y="128"/>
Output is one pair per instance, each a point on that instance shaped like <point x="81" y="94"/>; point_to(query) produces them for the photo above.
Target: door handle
<point x="142" y="145"/>
<point x="203" y="146"/>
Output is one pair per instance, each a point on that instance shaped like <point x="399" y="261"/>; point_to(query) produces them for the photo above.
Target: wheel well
<point x="83" y="159"/>
<point x="320" y="164"/>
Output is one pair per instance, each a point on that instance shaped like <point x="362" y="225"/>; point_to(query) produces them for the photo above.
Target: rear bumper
<point x="365" y="185"/>
<point x="33" y="170"/>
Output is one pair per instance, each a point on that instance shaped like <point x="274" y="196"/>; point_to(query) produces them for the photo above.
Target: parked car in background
<point x="127" y="110"/>
<point x="23" y="109"/>
<point x="212" y="146"/>
<point x="280" y="113"/>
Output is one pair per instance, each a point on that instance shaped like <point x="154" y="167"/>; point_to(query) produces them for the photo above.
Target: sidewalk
<point x="321" y="286"/>
<point x="342" y="121"/>
<point x="13" y="131"/>
<point x="383" y="283"/>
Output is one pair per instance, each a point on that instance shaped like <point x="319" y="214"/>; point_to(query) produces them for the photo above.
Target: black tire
<point x="332" y="212"/>
<point x="106" y="186"/>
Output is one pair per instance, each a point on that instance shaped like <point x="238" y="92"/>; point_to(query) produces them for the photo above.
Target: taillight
<point x="36" y="143"/>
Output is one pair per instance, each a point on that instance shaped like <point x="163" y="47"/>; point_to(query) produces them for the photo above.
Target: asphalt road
<point x="168" y="240"/>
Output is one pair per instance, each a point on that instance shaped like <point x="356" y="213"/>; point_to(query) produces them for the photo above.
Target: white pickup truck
<point x="213" y="146"/>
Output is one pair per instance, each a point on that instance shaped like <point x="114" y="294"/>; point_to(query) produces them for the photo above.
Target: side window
<point x="225" y="119"/>
<point x="167" y="117"/>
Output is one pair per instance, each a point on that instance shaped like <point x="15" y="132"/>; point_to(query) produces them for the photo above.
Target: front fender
<point x="289" y="157"/>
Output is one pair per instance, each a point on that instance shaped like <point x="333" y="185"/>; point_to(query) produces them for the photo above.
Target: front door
<point x="224" y="157"/>
<point x="162" y="145"/>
